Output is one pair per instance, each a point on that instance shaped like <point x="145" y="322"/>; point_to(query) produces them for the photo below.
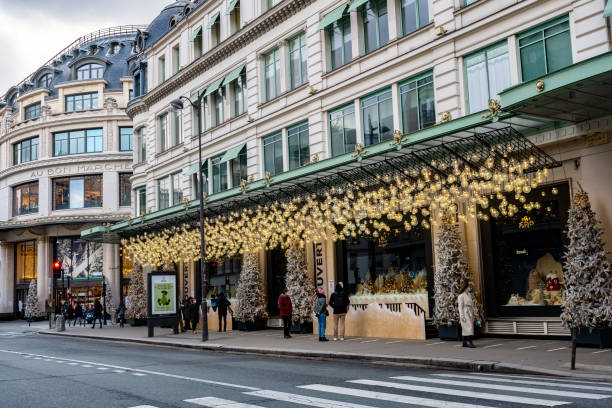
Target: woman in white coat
<point x="466" y="305"/>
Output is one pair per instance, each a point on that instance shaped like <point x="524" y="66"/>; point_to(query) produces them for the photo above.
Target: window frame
<point x="17" y="210"/>
<point x="329" y="122"/>
<point x="407" y="81"/>
<point x="45" y="80"/>
<point x="139" y="200"/>
<point x="218" y="106"/>
<point x="342" y="24"/>
<point x="217" y="162"/>
<point x="86" y="141"/>
<point x="484" y="51"/>
<point x="32" y="111"/>
<point x="301" y="160"/>
<point x="277" y="73"/>
<point x="90" y="68"/>
<point x="92" y="97"/>
<point x="238" y="86"/>
<point x="85" y="179"/>
<point x="302" y="50"/>
<point x="130" y="138"/>
<point x="163" y="132"/>
<point x="161" y="64"/>
<point x="417" y="15"/>
<point x="125" y="187"/>
<point x="18" y="150"/>
<point x="239" y="167"/>
<point x="361" y="110"/>
<point x="363" y="11"/>
<point x="141" y="148"/>
<point x="176" y="58"/>
<point x="279" y="135"/>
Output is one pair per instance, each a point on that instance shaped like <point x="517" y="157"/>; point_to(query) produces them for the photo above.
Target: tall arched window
<point x="45" y="81"/>
<point x="90" y="71"/>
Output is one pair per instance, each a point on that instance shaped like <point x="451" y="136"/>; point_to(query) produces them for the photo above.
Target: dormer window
<point x="114" y="48"/>
<point x="45" y="81"/>
<point x="90" y="71"/>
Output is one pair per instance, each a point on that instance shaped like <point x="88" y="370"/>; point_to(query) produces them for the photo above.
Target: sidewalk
<point x="525" y="356"/>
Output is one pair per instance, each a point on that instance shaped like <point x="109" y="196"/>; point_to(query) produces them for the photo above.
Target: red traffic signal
<point x="57" y="266"/>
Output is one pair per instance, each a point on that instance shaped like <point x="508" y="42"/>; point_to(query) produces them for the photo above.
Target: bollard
<point x="60" y="324"/>
<point x="52" y="321"/>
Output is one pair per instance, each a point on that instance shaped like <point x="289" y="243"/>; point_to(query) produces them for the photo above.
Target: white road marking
<point x="73" y="364"/>
<point x="393" y="342"/>
<point x="493" y="345"/>
<point x="529" y="382"/>
<point x="304" y="400"/>
<point x="525" y="348"/>
<point x="433" y="344"/>
<point x="527" y="390"/>
<point x="530" y="377"/>
<point x="218" y="402"/>
<point x="86" y="366"/>
<point x="118" y="371"/>
<point x="101" y="368"/>
<point x="462" y="393"/>
<point x="139" y="374"/>
<point x="383" y="396"/>
<point x="144" y="406"/>
<point x="138" y="370"/>
<point x="601" y="351"/>
<point x="356" y="338"/>
<point x="557" y="349"/>
<point x="60" y="362"/>
<point x="369" y="341"/>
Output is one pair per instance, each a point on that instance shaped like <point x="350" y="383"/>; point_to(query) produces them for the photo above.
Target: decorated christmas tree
<point x="110" y="302"/>
<point x="451" y="271"/>
<point x="31" y="308"/>
<point x="588" y="280"/>
<point x="299" y="285"/>
<point x="251" y="304"/>
<point x="137" y="296"/>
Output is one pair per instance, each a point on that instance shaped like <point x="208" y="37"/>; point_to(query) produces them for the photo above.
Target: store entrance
<point x="20" y="302"/>
<point x="276" y="271"/>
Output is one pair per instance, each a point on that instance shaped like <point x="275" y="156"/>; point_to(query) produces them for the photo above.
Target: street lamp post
<point x="178" y="104"/>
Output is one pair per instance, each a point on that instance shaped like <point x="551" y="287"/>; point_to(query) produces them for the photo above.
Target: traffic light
<point x="57" y="268"/>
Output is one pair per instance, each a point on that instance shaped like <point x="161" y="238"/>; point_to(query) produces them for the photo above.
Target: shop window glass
<point x="273" y="154"/>
<point x="25" y="151"/>
<point x="81" y="260"/>
<point x="77" y="142"/>
<point x="224" y="277"/>
<point x="375" y="24"/>
<point x="77" y="192"/>
<point x="545" y="49"/>
<point x="127" y="263"/>
<point x="298" y="145"/>
<point x="126" y="135"/>
<point x="297" y="61"/>
<point x="125" y="189"/>
<point x="418" y="105"/>
<point x="340" y="42"/>
<point x="487" y="74"/>
<point x="377" y="117"/>
<point x="342" y="129"/>
<point x="219" y="174"/>
<point x="239" y="168"/>
<point x="25" y="262"/>
<point x="25" y="199"/>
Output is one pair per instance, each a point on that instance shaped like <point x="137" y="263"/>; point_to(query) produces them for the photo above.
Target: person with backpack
<point x="320" y="310"/>
<point x="222" y="305"/>
<point x="286" y="310"/>
<point x="97" y="314"/>
<point x="339" y="302"/>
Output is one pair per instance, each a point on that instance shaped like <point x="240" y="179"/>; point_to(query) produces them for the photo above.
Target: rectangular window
<point x="77" y="141"/>
<point x="468" y="2"/>
<point x="141" y="198"/>
<point x="219" y="174"/>
<point x="162" y="69"/>
<point x="25" y="151"/>
<point x="487" y="73"/>
<point x="126" y="136"/>
<point x="215" y="32"/>
<point x="298" y="145"/>
<point x="342" y="130"/>
<point x="125" y="190"/>
<point x="272" y="75"/>
<point x="163" y="193"/>
<point x="375" y="24"/>
<point x="77" y="192"/>
<point x="25" y="261"/>
<point x="177" y="191"/>
<point x="81" y="102"/>
<point x="197" y="45"/>
<point x="417" y="99"/>
<point x="273" y="154"/>
<point x="141" y="145"/>
<point x="239" y="168"/>
<point x="238" y="87"/>
<point x="297" y="61"/>
<point x="163" y="132"/>
<point x="25" y="199"/>
<point x="80" y="259"/>
<point x="195" y="181"/>
<point x="415" y="15"/>
<point x="176" y="59"/>
<point x="377" y="117"/>
<point x="235" y="17"/>
<point x="545" y="49"/>
<point x="268" y="4"/>
<point x="340" y="42"/>
<point x="169" y="191"/>
<point x="32" y="111"/>
<point x="217" y="99"/>
<point x="177" y="127"/>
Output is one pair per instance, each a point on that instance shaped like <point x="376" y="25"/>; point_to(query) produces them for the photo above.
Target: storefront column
<point x="44" y="253"/>
<point x="471" y="239"/>
<point x="7" y="278"/>
<point x="110" y="253"/>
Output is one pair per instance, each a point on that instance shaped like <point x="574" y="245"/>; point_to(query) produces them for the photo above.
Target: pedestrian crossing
<point x="436" y="390"/>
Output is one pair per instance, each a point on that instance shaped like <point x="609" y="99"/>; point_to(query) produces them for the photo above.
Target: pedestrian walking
<point x="320" y="310"/>
<point x="286" y="310"/>
<point x="185" y="312"/>
<point x="121" y="314"/>
<point x="222" y="307"/>
<point x="465" y="303"/>
<point x="69" y="313"/>
<point x="194" y="314"/>
<point x="339" y="302"/>
<point x="97" y="314"/>
<point x="78" y="314"/>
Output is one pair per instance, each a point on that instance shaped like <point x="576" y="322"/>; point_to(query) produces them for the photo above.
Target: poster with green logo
<point x="163" y="294"/>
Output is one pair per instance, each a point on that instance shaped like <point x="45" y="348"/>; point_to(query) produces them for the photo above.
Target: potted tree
<point x="137" y="300"/>
<point x="301" y="290"/>
<point x="250" y="310"/>
<point x="587" y="305"/>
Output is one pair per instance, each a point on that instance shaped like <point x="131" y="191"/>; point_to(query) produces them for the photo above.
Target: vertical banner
<point x="319" y="264"/>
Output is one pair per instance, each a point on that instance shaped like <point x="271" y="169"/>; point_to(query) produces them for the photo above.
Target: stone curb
<point x="429" y="362"/>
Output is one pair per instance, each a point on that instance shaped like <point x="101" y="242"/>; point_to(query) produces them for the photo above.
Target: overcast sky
<point x="33" y="31"/>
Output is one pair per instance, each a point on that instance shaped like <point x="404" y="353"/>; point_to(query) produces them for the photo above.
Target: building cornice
<point x="62" y="219"/>
<point x="228" y="47"/>
<point x="32" y="93"/>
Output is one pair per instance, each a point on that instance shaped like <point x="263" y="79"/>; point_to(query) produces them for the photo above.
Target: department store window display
<point x="81" y="259"/>
<point x="224" y="277"/>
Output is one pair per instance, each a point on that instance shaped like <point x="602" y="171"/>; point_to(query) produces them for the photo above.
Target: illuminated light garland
<point x="355" y="210"/>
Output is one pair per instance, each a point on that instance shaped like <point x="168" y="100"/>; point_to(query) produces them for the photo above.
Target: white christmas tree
<point x="31" y="308"/>
<point x="588" y="279"/>
<point x="299" y="285"/>
<point x="110" y="302"/>
<point x="251" y="304"/>
<point x="451" y="271"/>
<point x="137" y="296"/>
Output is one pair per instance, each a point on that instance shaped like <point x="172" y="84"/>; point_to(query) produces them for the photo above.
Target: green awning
<point x="214" y="86"/>
<point x="231" y="6"/>
<point x="356" y="4"/>
<point x="213" y="19"/>
<point x="232" y="153"/>
<point x="195" y="33"/>
<point x="608" y="9"/>
<point x="193" y="169"/>
<point x="333" y="16"/>
<point x="194" y="97"/>
<point x="233" y="75"/>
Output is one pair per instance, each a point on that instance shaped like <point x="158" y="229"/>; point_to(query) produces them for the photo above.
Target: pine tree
<point x="299" y="285"/>
<point x="137" y="296"/>
<point x="450" y="273"/>
<point x="31" y="308"/>
<point x="588" y="279"/>
<point x="251" y="303"/>
<point x="109" y="301"/>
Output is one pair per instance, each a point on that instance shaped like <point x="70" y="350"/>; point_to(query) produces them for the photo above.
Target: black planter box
<point x="138" y="322"/>
<point x="450" y="332"/>
<point x="596" y="337"/>
<point x="302" y="328"/>
<point x="251" y="326"/>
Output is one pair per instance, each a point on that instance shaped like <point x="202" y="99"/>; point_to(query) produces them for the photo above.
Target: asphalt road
<point x="48" y="371"/>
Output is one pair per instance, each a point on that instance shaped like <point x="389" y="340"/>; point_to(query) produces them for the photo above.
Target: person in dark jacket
<point x="339" y="302"/>
<point x="78" y="314"/>
<point x="97" y="314"/>
<point x="69" y="313"/>
<point x="222" y="306"/>
<point x="121" y="314"/>
<point x="194" y="314"/>
<point x="320" y="310"/>
<point x="185" y="312"/>
<point x="286" y="310"/>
